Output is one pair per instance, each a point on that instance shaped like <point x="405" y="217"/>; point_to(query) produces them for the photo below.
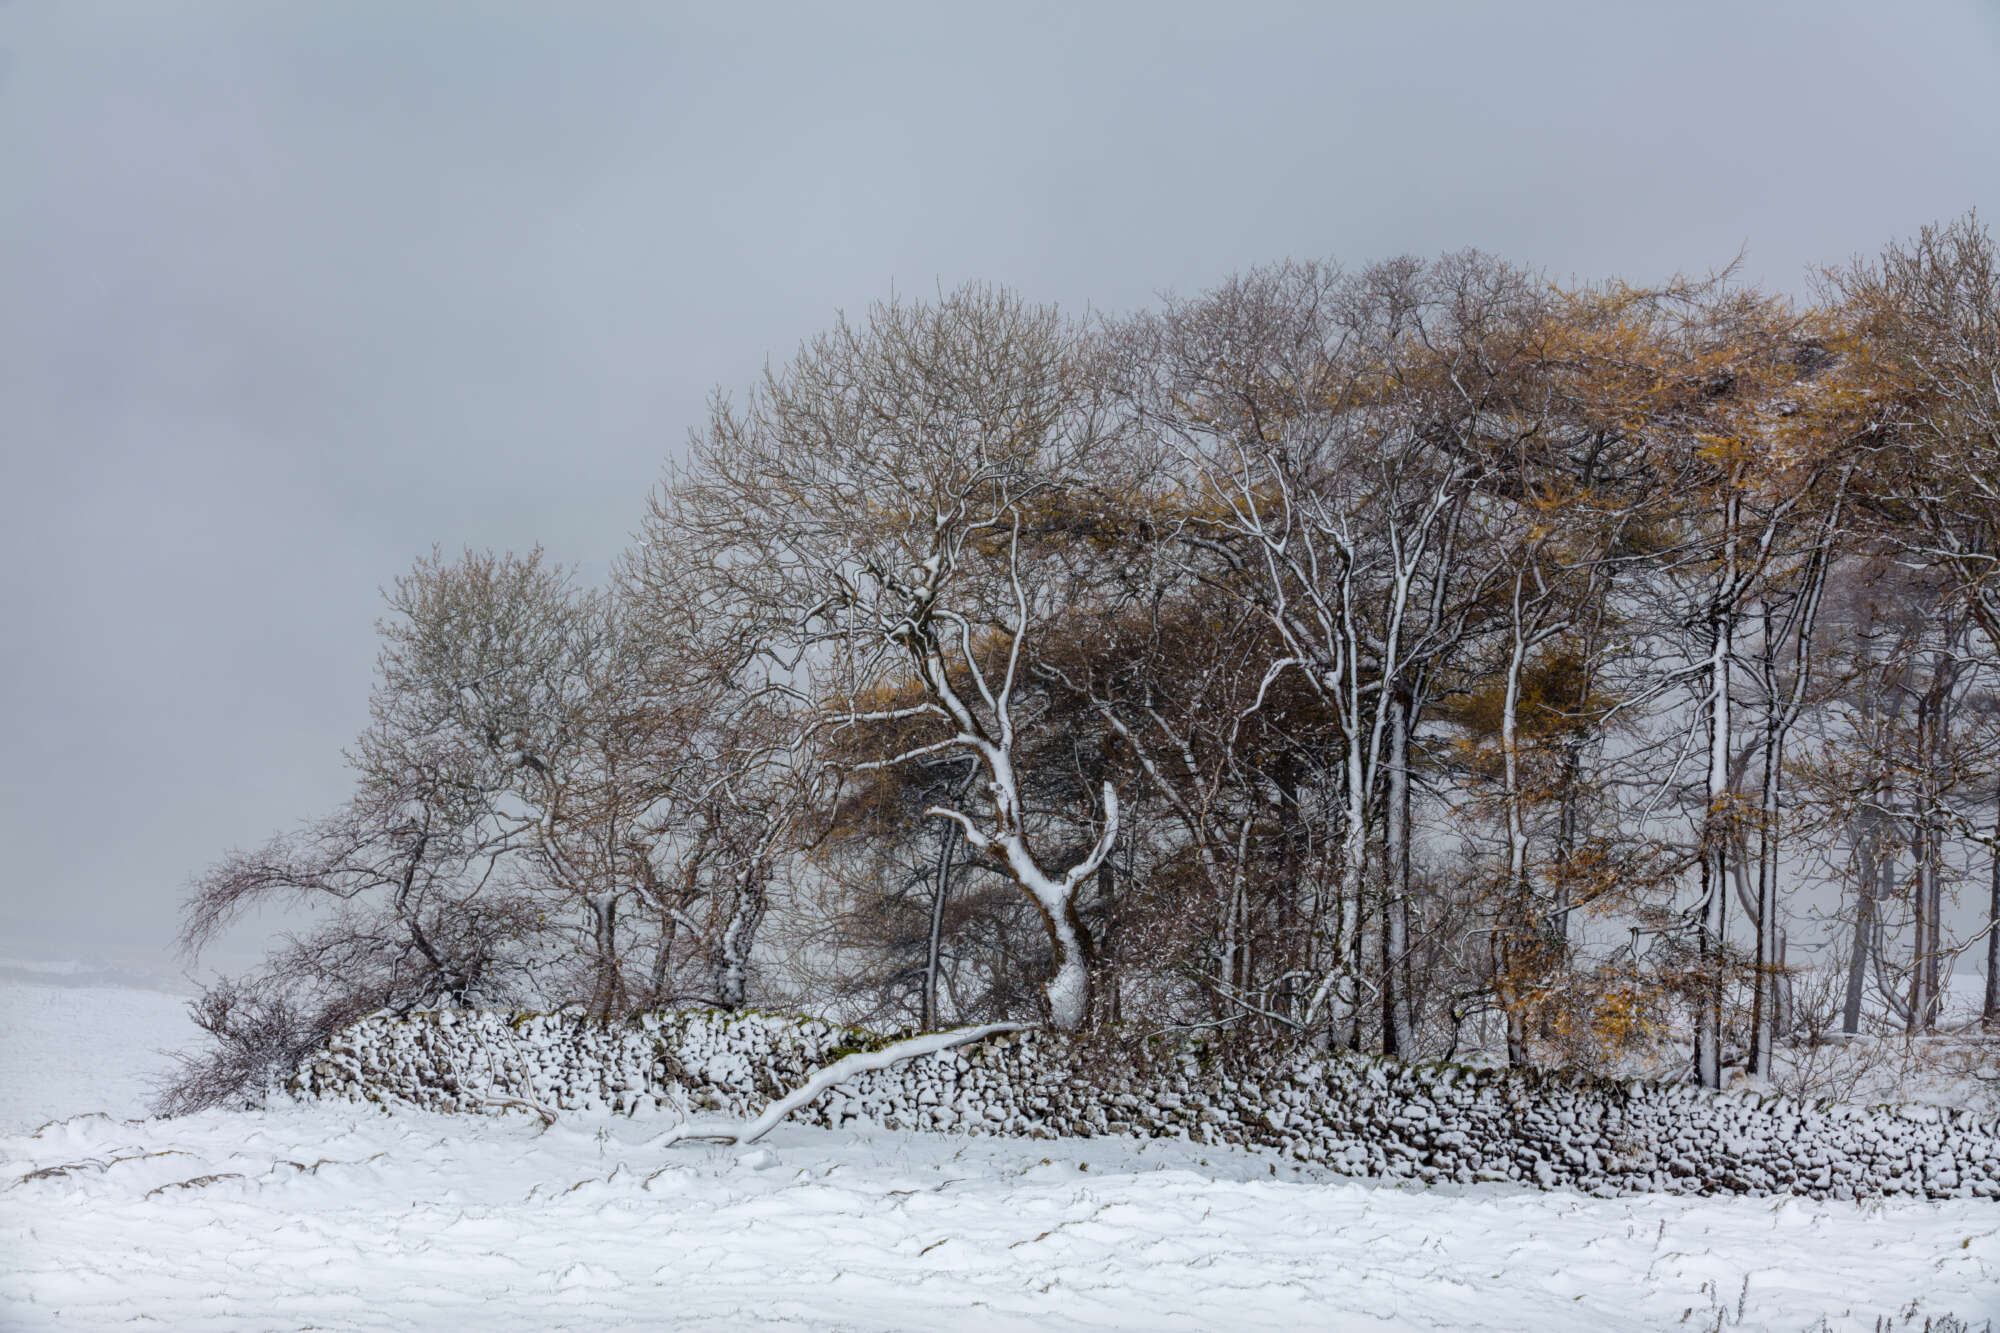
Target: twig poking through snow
<point x="838" y="1072"/>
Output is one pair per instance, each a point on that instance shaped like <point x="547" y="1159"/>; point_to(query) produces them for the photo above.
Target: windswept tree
<point x="548" y="807"/>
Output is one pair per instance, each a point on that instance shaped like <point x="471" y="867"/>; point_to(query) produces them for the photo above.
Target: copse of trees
<point x="1347" y="658"/>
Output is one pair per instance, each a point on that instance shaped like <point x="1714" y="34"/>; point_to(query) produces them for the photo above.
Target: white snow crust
<point x="69" y="1049"/>
<point x="342" y="1218"/>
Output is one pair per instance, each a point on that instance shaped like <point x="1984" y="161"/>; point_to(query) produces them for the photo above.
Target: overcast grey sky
<point x="290" y="292"/>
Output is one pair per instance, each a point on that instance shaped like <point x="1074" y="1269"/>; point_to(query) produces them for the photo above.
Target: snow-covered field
<point x="66" y="1049"/>
<point x="340" y="1218"/>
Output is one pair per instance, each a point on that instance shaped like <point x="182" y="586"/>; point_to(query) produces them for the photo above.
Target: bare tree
<point x="1332" y="435"/>
<point x="873" y="510"/>
<point x="1923" y="326"/>
<point x="1333" y="657"/>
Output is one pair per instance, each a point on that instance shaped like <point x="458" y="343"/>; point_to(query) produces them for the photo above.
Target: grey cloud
<point x="293" y="292"/>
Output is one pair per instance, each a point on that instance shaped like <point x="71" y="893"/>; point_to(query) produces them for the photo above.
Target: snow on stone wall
<point x="1363" y="1116"/>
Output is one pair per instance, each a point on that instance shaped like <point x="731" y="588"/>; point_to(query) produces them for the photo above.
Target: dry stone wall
<point x="1363" y="1116"/>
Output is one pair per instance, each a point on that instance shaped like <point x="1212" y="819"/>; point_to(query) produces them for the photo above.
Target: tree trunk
<point x="1870" y="841"/>
<point x="1989" y="1012"/>
<point x="940" y="888"/>
<point x="1867" y="854"/>
<point x="1716" y="828"/>
<point x="1397" y="1034"/>
<point x="1351" y="910"/>
<point x="1107" y="886"/>
<point x="732" y="951"/>
<point x="1067" y="991"/>
<point x="1926" y="990"/>
<point x="1515" y="904"/>
<point x="608" y="990"/>
<point x="663" y="958"/>
<point x="1517" y="1039"/>
<point x="1770" y="938"/>
<point x="1920" y="901"/>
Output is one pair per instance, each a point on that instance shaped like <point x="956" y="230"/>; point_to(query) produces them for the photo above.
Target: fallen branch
<point x="839" y="1071"/>
<point x="548" y="1116"/>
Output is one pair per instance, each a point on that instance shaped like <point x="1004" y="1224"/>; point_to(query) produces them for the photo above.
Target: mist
<point x="294" y="294"/>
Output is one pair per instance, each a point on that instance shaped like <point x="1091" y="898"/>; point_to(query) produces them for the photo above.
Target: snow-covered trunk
<point x="1345" y="1008"/>
<point x="1920" y="991"/>
<point x="1934" y="955"/>
<point x="1226" y="960"/>
<point x="984" y="732"/>
<point x="1781" y="714"/>
<point x="732" y="950"/>
<point x="1004" y="840"/>
<point x="1718" y="816"/>
<point x="830" y="1076"/>
<point x="1296" y="900"/>
<point x="1067" y="991"/>
<point x="1770" y="940"/>
<point x="1989" y="1011"/>
<point x="1770" y="935"/>
<point x="1241" y="954"/>
<point x="1398" y="1038"/>
<point x="1338" y="995"/>
<point x="1515" y="891"/>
